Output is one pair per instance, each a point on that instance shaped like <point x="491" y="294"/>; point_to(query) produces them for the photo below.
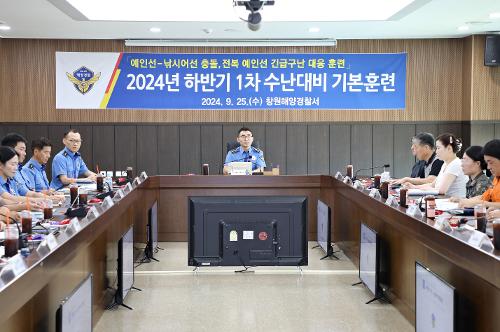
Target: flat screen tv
<point x="247" y="230"/>
<point x="435" y="302"/>
<point x="152" y="232"/>
<point x="75" y="312"/>
<point x="324" y="228"/>
<point x="369" y="253"/>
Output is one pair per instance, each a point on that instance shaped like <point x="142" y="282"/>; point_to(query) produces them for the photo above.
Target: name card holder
<point x="107" y="203"/>
<point x="391" y="201"/>
<point x="43" y="248"/>
<point x="7" y="274"/>
<point x="374" y="193"/>
<point x="18" y="264"/>
<point x="51" y="241"/>
<point x="15" y="266"/>
<point x="118" y="195"/>
<point x="414" y="211"/>
<point x="339" y="176"/>
<point x="348" y="181"/>
<point x="480" y="240"/>
<point x="136" y="182"/>
<point x="127" y="189"/>
<point x="76" y="224"/>
<point x="358" y="185"/>
<point x="83" y="221"/>
<point x="237" y="171"/>
<point x="143" y="176"/>
<point x="443" y="224"/>
<point x="70" y="230"/>
<point x="92" y="214"/>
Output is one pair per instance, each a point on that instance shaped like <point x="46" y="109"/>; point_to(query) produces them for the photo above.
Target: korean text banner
<point x="230" y="81"/>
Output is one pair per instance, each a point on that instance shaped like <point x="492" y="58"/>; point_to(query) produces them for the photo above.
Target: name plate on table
<point x="414" y="211"/>
<point x="7" y="274"/>
<point x="70" y="230"/>
<point x="143" y="176"/>
<point x="348" y="181"/>
<point x="92" y="214"/>
<point x="374" y="193"/>
<point x="18" y="264"/>
<point x="358" y="185"/>
<point x="43" y="248"/>
<point x="136" y="182"/>
<point x="480" y="240"/>
<point x="240" y="168"/>
<point x="127" y="189"/>
<point x="339" y="176"/>
<point x="118" y="195"/>
<point x="51" y="241"/>
<point x="107" y="203"/>
<point x="75" y="224"/>
<point x="391" y="201"/>
<point x="239" y="172"/>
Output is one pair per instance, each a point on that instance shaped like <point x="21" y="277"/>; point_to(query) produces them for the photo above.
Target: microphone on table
<point x="369" y="169"/>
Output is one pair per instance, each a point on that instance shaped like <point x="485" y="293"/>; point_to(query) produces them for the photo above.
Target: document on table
<point x="422" y="192"/>
<point x="444" y="204"/>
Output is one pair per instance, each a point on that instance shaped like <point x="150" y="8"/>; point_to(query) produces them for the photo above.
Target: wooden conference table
<point x="29" y="302"/>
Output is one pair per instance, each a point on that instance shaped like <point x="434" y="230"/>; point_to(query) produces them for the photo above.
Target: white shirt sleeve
<point x="454" y="168"/>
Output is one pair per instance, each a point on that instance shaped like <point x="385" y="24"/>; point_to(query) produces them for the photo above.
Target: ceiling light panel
<point x="223" y="11"/>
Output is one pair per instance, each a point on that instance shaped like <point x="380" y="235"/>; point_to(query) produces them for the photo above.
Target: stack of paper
<point x="422" y="192"/>
<point x="445" y="205"/>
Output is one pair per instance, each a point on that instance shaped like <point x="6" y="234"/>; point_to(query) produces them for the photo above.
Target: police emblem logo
<point x="83" y="79"/>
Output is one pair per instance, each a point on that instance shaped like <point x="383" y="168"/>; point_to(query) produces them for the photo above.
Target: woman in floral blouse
<point x="473" y="165"/>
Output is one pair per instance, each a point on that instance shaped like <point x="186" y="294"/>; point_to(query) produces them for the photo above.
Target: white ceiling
<point x="420" y="19"/>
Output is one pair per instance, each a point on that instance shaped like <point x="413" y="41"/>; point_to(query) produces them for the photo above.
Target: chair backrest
<point x="234" y="144"/>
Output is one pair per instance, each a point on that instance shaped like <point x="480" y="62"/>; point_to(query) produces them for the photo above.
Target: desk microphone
<point x="369" y="169"/>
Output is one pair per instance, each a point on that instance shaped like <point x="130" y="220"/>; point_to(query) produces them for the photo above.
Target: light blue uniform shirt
<point x="35" y="176"/>
<point x="9" y="186"/>
<point x="20" y="181"/>
<point x="256" y="156"/>
<point x="69" y="164"/>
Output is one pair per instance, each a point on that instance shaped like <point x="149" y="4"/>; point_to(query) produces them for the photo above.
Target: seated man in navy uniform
<point x="34" y="170"/>
<point x="245" y="152"/>
<point x="68" y="164"/>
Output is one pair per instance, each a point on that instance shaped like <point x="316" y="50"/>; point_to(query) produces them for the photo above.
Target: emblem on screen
<point x="83" y="79"/>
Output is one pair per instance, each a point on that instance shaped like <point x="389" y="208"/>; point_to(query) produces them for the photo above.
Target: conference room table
<point x="29" y="301"/>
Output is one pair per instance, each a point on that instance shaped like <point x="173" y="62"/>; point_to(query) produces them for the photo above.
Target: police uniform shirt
<point x="35" y="176"/>
<point x="256" y="156"/>
<point x="9" y="186"/>
<point x="20" y="181"/>
<point x="69" y="164"/>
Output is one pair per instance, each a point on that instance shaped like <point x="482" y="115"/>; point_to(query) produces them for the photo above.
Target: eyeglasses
<point x="245" y="136"/>
<point x="75" y="141"/>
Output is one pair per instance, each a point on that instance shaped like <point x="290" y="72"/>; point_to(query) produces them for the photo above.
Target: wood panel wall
<point x="485" y="90"/>
<point x="435" y="84"/>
